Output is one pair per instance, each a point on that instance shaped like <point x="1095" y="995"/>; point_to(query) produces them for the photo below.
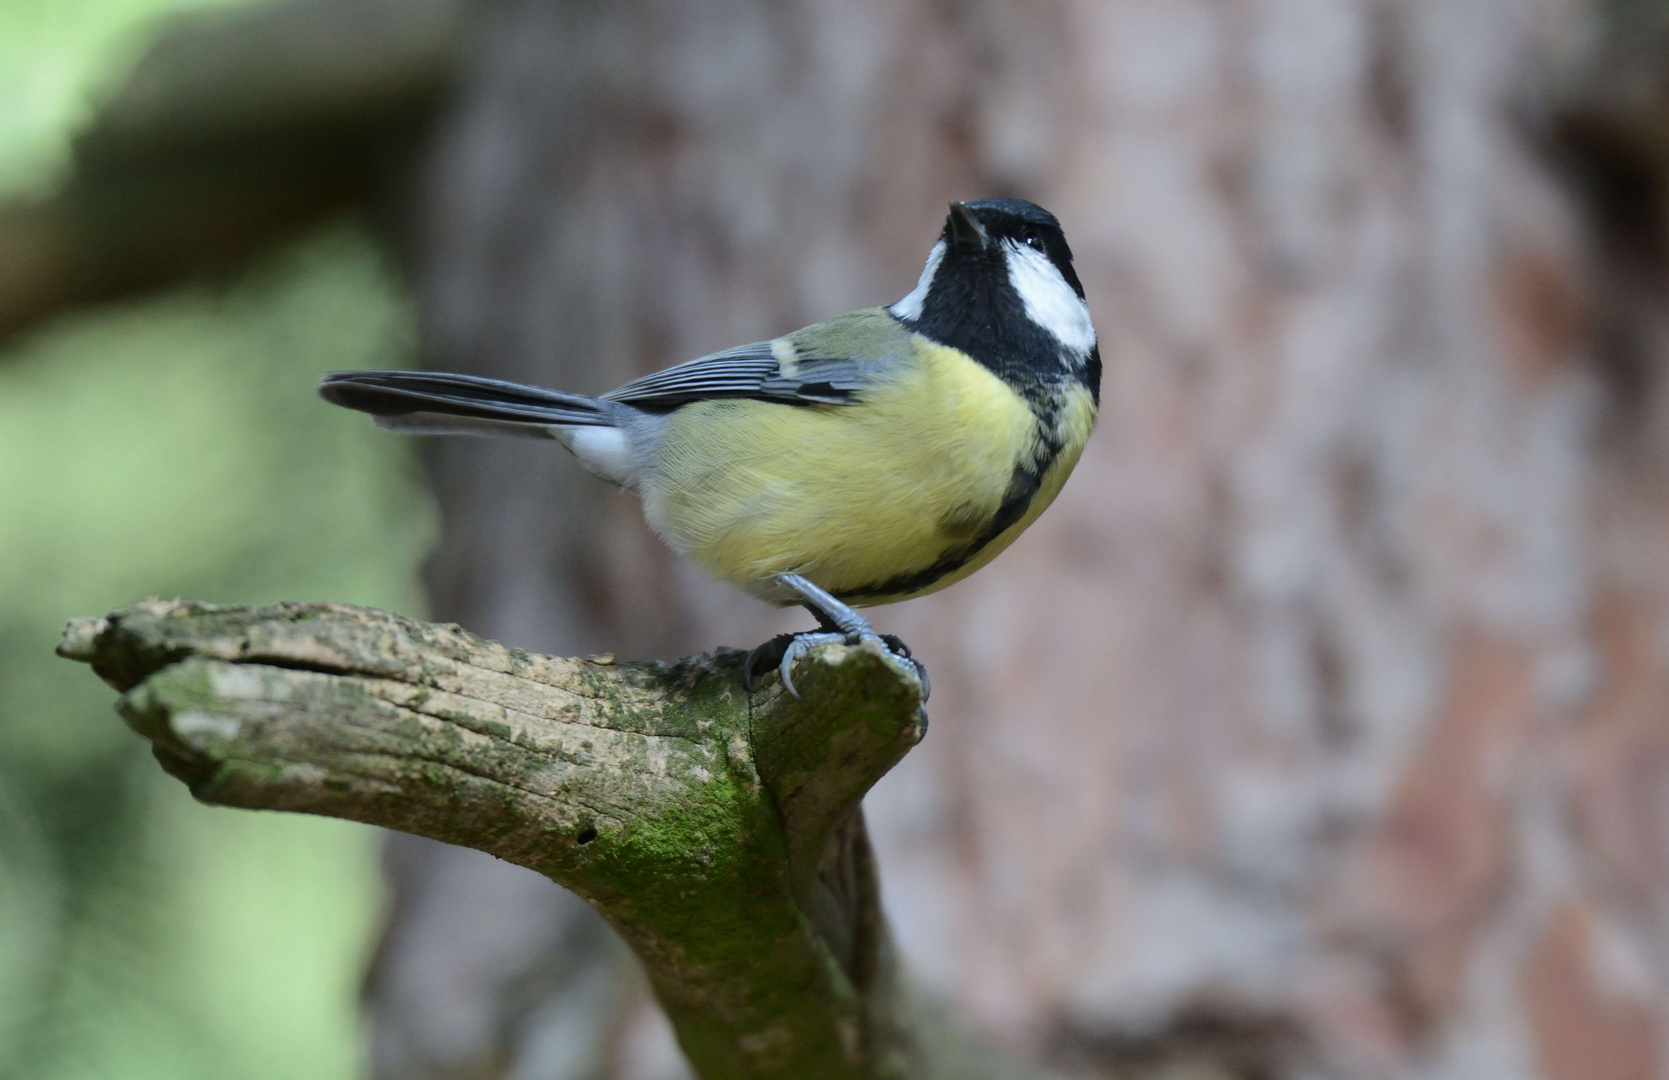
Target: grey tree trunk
<point x="1313" y="724"/>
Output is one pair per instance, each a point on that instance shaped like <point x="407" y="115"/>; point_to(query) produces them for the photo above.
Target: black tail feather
<point x="402" y="393"/>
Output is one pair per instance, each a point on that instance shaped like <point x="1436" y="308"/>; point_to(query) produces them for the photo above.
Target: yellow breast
<point x="857" y="496"/>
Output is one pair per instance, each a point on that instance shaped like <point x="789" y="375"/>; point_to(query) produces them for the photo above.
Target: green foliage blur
<point x="174" y="446"/>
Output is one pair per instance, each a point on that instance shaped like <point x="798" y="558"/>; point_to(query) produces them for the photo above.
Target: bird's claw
<point x="802" y="644"/>
<point x="896" y="646"/>
<point x="783" y="650"/>
<point x="840" y="624"/>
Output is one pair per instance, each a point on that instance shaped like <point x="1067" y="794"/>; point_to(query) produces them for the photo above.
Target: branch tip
<point x="81" y="639"/>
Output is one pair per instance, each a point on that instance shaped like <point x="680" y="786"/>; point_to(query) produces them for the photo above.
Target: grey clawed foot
<point x="896" y="646"/>
<point x="840" y="625"/>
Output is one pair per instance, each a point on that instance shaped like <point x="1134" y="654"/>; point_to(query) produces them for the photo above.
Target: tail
<point x="431" y="403"/>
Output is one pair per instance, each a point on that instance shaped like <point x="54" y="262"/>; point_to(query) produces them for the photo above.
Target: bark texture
<point x="717" y="831"/>
<point x="1260" y="753"/>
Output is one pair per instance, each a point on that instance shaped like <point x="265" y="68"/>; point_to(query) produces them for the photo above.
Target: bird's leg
<point x="839" y="624"/>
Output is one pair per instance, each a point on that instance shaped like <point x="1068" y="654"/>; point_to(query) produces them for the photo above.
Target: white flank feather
<point x="605" y="451"/>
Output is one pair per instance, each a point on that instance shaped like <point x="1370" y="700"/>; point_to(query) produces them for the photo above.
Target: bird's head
<point x="999" y="285"/>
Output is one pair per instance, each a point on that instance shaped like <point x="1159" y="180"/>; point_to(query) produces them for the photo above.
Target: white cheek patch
<point x="603" y="450"/>
<point x="1050" y="301"/>
<point x="909" y="308"/>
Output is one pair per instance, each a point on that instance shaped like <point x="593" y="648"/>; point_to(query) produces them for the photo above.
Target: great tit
<point x="874" y="457"/>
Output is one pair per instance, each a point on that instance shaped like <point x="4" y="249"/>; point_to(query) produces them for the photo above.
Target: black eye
<point x="1032" y="239"/>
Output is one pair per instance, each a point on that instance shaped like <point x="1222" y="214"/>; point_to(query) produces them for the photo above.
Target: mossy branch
<point x="718" y="831"/>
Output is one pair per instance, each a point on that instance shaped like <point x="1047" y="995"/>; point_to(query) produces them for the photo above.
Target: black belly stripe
<point x="1023" y="485"/>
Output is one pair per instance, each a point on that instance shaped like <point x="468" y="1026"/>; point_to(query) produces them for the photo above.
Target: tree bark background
<point x="1320" y="725"/>
<point x="1319" y="729"/>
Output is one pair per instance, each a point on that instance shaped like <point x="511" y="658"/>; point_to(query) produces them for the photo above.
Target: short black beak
<point x="965" y="229"/>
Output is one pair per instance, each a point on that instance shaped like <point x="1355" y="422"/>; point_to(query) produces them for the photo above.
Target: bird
<point x="870" y="458"/>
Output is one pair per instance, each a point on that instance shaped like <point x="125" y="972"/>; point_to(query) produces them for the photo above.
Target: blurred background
<point x="171" y="445"/>
<point x="1321" y="729"/>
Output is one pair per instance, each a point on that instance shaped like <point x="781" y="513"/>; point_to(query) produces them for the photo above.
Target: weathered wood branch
<point x="718" y="831"/>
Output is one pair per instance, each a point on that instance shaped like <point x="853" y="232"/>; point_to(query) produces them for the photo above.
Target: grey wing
<point x="753" y="371"/>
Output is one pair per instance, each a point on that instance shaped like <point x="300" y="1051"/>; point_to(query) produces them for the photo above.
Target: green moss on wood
<point x="698" y="819"/>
